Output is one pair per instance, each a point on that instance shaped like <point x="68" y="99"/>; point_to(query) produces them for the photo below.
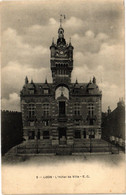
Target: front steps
<point x="79" y="147"/>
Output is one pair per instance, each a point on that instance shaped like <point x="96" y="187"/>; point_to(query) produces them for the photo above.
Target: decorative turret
<point x="32" y="81"/>
<point x="52" y="48"/>
<point x="31" y="87"/>
<point x="46" y="81"/>
<point x="26" y="80"/>
<point x="92" y="88"/>
<point x="46" y="86"/>
<point x="53" y="42"/>
<point x="70" y="49"/>
<point x="76" y="85"/>
<point x="70" y="42"/>
<point x="94" y="80"/>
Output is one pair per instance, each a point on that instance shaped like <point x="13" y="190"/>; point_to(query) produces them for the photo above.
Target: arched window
<point x="62" y="91"/>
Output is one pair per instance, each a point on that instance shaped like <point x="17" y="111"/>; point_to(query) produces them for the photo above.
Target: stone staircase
<point x="33" y="147"/>
<point x="94" y="146"/>
<point x="79" y="147"/>
<point x="63" y="150"/>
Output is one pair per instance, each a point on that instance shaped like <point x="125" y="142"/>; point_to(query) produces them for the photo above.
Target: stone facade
<point x="61" y="112"/>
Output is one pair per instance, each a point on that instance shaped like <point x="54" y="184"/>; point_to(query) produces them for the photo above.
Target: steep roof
<point x="75" y="88"/>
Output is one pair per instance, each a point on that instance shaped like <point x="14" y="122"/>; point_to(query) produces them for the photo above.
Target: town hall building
<point x="61" y="115"/>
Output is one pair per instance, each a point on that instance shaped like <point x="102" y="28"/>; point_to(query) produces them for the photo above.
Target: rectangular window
<point x="46" y="122"/>
<point x="91" y="133"/>
<point x="31" y="134"/>
<point x="91" y="114"/>
<point x="91" y="122"/>
<point x="31" y="110"/>
<point x="61" y="108"/>
<point x="77" y="109"/>
<point x="46" y="108"/>
<point x="38" y="135"/>
<point x="31" y="91"/>
<point x="84" y="133"/>
<point x="91" y="110"/>
<point x="45" y="134"/>
<point x="77" y="134"/>
<point x="32" y="123"/>
<point x="76" y="91"/>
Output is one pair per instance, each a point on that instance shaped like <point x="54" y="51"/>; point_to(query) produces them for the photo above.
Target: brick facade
<point x="61" y="112"/>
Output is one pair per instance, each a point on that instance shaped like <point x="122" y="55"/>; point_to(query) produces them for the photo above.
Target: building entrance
<point x="62" y="135"/>
<point x="61" y="108"/>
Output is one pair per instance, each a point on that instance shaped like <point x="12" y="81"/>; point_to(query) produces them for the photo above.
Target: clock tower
<point x="61" y="59"/>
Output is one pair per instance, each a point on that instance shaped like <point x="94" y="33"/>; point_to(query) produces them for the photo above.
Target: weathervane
<point x="61" y="19"/>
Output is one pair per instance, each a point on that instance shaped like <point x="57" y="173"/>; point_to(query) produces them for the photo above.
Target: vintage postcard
<point x="63" y="97"/>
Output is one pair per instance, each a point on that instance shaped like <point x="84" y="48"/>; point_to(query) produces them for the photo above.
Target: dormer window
<point x="76" y="91"/>
<point x="31" y="91"/>
<point x="46" y="91"/>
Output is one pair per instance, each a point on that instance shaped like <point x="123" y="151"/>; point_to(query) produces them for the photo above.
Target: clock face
<point x="59" y="52"/>
<point x="62" y="52"/>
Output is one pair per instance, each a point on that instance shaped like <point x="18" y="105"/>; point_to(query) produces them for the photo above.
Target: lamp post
<point x="90" y="134"/>
<point x="37" y="138"/>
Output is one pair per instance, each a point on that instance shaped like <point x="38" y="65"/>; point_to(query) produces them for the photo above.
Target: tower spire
<point x="94" y="80"/>
<point x="70" y="41"/>
<point x="26" y="80"/>
<point x="53" y="40"/>
<point x="31" y="80"/>
<point x="76" y="81"/>
<point x="46" y="80"/>
<point x="61" y="19"/>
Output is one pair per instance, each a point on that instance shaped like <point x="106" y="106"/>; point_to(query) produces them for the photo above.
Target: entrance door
<point x="61" y="108"/>
<point x="62" y="136"/>
<point x="92" y="133"/>
<point x="38" y="135"/>
<point x="84" y="133"/>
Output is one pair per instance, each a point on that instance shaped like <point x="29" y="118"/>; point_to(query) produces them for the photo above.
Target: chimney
<point x="109" y="110"/>
<point x="120" y="103"/>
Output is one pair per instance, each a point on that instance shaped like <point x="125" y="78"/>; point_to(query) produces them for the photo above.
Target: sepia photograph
<point x="63" y="97"/>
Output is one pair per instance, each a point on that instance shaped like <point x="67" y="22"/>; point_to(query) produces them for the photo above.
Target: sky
<point x="96" y="29"/>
